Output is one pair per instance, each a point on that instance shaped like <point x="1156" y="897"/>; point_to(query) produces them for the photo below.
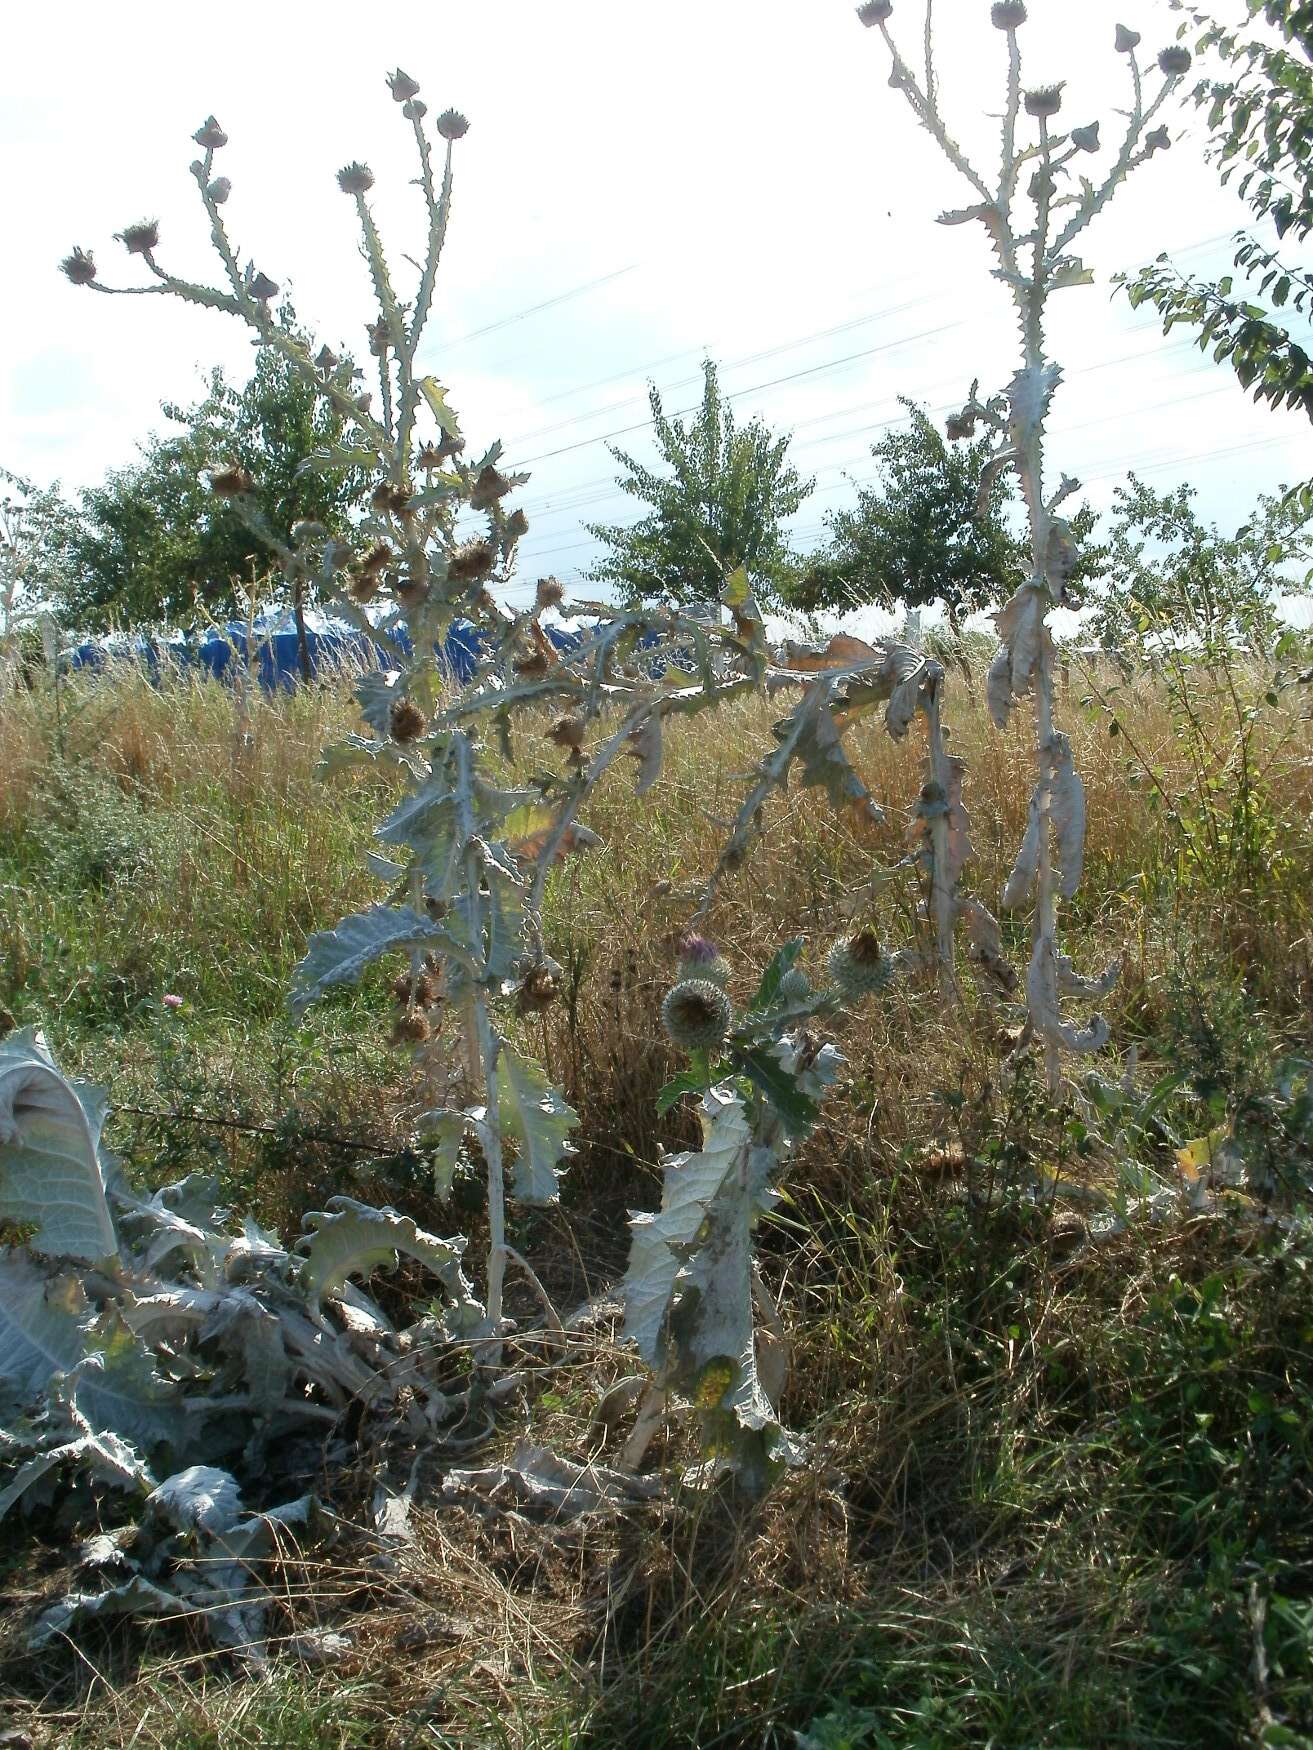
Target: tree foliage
<point x="935" y="527"/>
<point x="1258" y="103"/>
<point x="720" y="506"/>
<point x="153" y="544"/>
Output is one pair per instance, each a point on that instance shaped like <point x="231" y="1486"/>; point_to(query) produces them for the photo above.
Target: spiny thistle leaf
<point x="534" y="1116"/>
<point x="339" y="956"/>
<point x="50" y="1165"/>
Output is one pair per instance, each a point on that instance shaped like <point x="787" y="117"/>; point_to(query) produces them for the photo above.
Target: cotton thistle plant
<point x="696" y="1304"/>
<point x="1032" y="236"/>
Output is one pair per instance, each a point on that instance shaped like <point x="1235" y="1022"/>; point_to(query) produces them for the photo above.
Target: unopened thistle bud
<point x="326" y="360"/>
<point x="210" y="135"/>
<point x="1127" y="39"/>
<point x="858" y="966"/>
<point x="795" y="986"/>
<point x="363" y="403"/>
<point x="1086" y="139"/>
<point x="517" y="526"/>
<point x="472" y="562"/>
<point x="1044" y="102"/>
<point x="406" y="721"/>
<point x="219" y="190"/>
<point x="568" y="732"/>
<point x="697" y="1015"/>
<point x="699" y="958"/>
<point x="1158" y="141"/>
<point x="452" y="125"/>
<point x="262" y="288"/>
<point x="415" y="110"/>
<point x="1008" y="15"/>
<point x="550" y="594"/>
<point x="1175" y="61"/>
<point x="140" y="239"/>
<point x="233" y="481"/>
<point x="875" y="12"/>
<point x="402" y="86"/>
<point x="488" y="488"/>
<point x="355" y="178"/>
<point x="79" y="267"/>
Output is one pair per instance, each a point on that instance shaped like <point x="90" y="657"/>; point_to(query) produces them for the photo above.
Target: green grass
<point x="1061" y="1493"/>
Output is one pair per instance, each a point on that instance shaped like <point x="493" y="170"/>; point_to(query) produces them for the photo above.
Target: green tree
<point x="1258" y="100"/>
<point x="934" y="527"/>
<point x="153" y="544"/>
<point x="720" y="506"/>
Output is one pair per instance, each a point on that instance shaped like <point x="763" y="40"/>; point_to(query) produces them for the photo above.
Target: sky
<point x="643" y="185"/>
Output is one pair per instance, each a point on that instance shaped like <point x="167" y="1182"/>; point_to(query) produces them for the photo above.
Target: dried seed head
<point x="262" y="288"/>
<point x="538" y="991"/>
<point x="875" y="12"/>
<point x="1045" y="101"/>
<point x="472" y="562"/>
<point x="430" y="457"/>
<point x="532" y="668"/>
<point x="326" y="360"/>
<point x="1175" y="61"/>
<point x="210" y="135"/>
<point x="1127" y="39"/>
<point x="355" y="178"/>
<point x="406" y="721"/>
<point x="450" y="445"/>
<point x="415" y="990"/>
<point x="858" y="967"/>
<point x="363" y="403"/>
<point x="415" y="110"/>
<point x="568" y="732"/>
<point x="140" y="239"/>
<point x="488" y="488"/>
<point x="697" y="1015"/>
<point x="517" y="526"/>
<point x="699" y="958"/>
<point x="233" y="481"/>
<point x="375" y="559"/>
<point x="1086" y="139"/>
<point x="958" y="426"/>
<point x="550" y="594"/>
<point x="402" y="86"/>
<point x="1158" y="141"/>
<point x="795" y="986"/>
<point x="452" y="125"/>
<point x="363" y="587"/>
<point x="412" y="595"/>
<point x="79" y="267"/>
<point x="412" y="1028"/>
<point x="1008" y="14"/>
<point x="219" y="190"/>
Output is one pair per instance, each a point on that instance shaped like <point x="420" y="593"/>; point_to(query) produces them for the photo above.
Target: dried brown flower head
<point x="79" y="267"/>
<point x="517" y="526"/>
<point x="532" y="668"/>
<point x="472" y="562"/>
<point x="376" y="558"/>
<point x="1044" y="101"/>
<point x="210" y="135"/>
<point x="452" y="125"/>
<point x="140" y="239"/>
<point x="415" y="990"/>
<point x="538" y="991"/>
<point x="430" y="457"/>
<point x="406" y="721"/>
<point x="1008" y="14"/>
<point x="568" y="732"/>
<point x="326" y="360"/>
<point x="1087" y="139"/>
<point x="1127" y="39"/>
<point x="363" y="587"/>
<point x="412" y="1028"/>
<point x="415" y="110"/>
<point x="233" y="481"/>
<point x="488" y="488"/>
<point x="262" y="288"/>
<point x="875" y="12"/>
<point x="402" y="86"/>
<point x="1175" y="61"/>
<point x="550" y="593"/>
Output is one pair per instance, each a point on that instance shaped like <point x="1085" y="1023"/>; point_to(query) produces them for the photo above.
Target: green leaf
<point x="768" y="989"/>
<point x="535" y="1116"/>
<point x="436" y="397"/>
<point x="340" y="956"/>
<point x="50" y="1166"/>
<point x="796" y="1112"/>
<point x="687" y="1082"/>
<point x="353" y="1239"/>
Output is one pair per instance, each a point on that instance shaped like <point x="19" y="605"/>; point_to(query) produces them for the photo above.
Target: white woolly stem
<point x="941" y="891"/>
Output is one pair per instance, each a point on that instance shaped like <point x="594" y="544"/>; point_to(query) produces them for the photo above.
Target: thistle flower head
<point x="550" y="594"/>
<point x="795" y="986"/>
<point x="697" y="1015"/>
<point x="1159" y="140"/>
<point x="875" y="12"/>
<point x="452" y="125"/>
<point x="1008" y="14"/>
<point x="219" y="190"/>
<point x="958" y="426"/>
<point x="701" y="959"/>
<point x="1175" y="61"/>
<point x="210" y="135"/>
<point x="79" y="267"/>
<point x="538" y="990"/>
<point x="488" y="488"/>
<point x="472" y="562"/>
<point x="406" y="721"/>
<point x="430" y="457"/>
<point x="262" y="288"/>
<point x="1045" y="101"/>
<point x="858" y="966"/>
<point x="517" y="526"/>
<point x="402" y="86"/>
<point x="1086" y="139"/>
<point x="412" y="1028"/>
<point x="415" y="110"/>
<point x="234" y="481"/>
<point x="376" y="558"/>
<point x="568" y="732"/>
<point x="415" y="990"/>
<point x="1127" y="39"/>
<point x="140" y="239"/>
<point x="326" y="360"/>
<point x="355" y="178"/>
